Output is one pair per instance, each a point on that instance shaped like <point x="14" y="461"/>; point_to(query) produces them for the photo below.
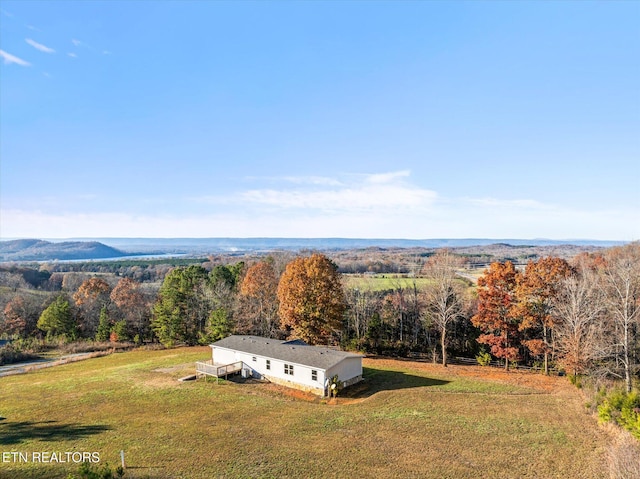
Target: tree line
<point x="580" y="315"/>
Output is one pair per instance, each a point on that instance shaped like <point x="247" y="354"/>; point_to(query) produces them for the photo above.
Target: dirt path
<point x="28" y="366"/>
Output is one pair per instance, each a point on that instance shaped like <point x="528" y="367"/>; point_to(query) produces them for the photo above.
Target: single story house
<point x="290" y="363"/>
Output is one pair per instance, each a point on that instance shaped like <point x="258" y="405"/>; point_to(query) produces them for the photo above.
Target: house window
<point x="254" y="359"/>
<point x="288" y="369"/>
<point x="268" y="364"/>
<point x="314" y="375"/>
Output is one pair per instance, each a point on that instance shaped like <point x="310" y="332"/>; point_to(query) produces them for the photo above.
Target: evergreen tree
<point x="104" y="326"/>
<point x="181" y="312"/>
<point x="56" y="319"/>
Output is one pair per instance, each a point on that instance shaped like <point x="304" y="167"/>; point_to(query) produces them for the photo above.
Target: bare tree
<point x="443" y="295"/>
<point x="621" y="286"/>
<point x="362" y="304"/>
<point x="578" y="308"/>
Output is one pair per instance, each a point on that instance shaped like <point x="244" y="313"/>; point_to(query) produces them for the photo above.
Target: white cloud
<point x="31" y="27"/>
<point x="388" y="177"/>
<point x="389" y="207"/>
<point x="312" y="180"/>
<point x="39" y="46"/>
<point x="77" y="43"/>
<point x="499" y="203"/>
<point x="300" y="180"/>
<point x="106" y="52"/>
<point x="443" y="222"/>
<point x="8" y="59"/>
<point x="347" y="199"/>
<point x="382" y="193"/>
<point x="72" y="55"/>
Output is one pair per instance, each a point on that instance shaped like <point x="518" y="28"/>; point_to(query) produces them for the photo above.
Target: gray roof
<point x="296" y="352"/>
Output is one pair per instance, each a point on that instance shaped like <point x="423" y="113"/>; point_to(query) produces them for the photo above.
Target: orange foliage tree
<point x="133" y="305"/>
<point x="91" y="297"/>
<point x="260" y="286"/>
<point x="312" y="301"/>
<point x="91" y="290"/>
<point x="15" y="321"/>
<point x="536" y="291"/>
<point x="495" y="316"/>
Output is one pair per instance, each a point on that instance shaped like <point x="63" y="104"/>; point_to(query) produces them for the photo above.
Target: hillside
<point x="39" y="250"/>
<point x="233" y="245"/>
<point x="407" y="419"/>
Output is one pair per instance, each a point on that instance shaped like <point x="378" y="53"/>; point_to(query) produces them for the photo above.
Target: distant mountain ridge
<point x="208" y="245"/>
<point x="40" y="250"/>
<point x="110" y="248"/>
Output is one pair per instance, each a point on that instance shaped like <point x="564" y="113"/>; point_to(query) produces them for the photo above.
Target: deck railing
<point x="208" y="368"/>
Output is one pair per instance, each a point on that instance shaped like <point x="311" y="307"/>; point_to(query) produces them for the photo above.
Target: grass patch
<point x="403" y="421"/>
<point x="382" y="282"/>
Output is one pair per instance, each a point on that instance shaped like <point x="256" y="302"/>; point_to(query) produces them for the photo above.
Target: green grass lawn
<point x="381" y="282"/>
<point x="401" y="422"/>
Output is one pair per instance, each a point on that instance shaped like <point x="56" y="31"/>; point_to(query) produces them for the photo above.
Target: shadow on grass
<point x="376" y="380"/>
<point x="18" y="432"/>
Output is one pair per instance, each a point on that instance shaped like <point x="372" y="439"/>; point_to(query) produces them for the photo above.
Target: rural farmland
<point x="407" y="419"/>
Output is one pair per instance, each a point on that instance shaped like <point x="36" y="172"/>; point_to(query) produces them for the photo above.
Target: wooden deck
<point x="209" y="368"/>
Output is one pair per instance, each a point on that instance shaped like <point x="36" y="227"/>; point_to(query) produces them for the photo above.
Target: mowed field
<point x="407" y="419"/>
<point x="381" y="282"/>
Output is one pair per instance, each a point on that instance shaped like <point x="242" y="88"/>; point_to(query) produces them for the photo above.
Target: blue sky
<point x="320" y="119"/>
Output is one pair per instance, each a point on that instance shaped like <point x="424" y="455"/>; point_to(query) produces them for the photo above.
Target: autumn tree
<point x="495" y="318"/>
<point x="57" y="320"/>
<point x="259" y="291"/>
<point x="535" y="292"/>
<point x="133" y="305"/>
<point x="20" y="316"/>
<point x="90" y="298"/>
<point x="443" y="295"/>
<point x="621" y="287"/>
<point x="311" y="298"/>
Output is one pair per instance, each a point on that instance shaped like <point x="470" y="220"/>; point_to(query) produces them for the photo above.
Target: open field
<point x="407" y="419"/>
<point x="381" y="282"/>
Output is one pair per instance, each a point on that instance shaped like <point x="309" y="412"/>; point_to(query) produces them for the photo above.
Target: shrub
<point x="334" y="386"/>
<point x="623" y="409"/>
<point x="14" y="354"/>
<point x="484" y="358"/>
<point x="119" y="332"/>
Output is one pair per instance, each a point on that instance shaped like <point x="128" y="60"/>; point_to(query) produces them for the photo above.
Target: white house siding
<point x="301" y="378"/>
<point x="304" y="359"/>
<point x="223" y="356"/>
<point x="349" y="371"/>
